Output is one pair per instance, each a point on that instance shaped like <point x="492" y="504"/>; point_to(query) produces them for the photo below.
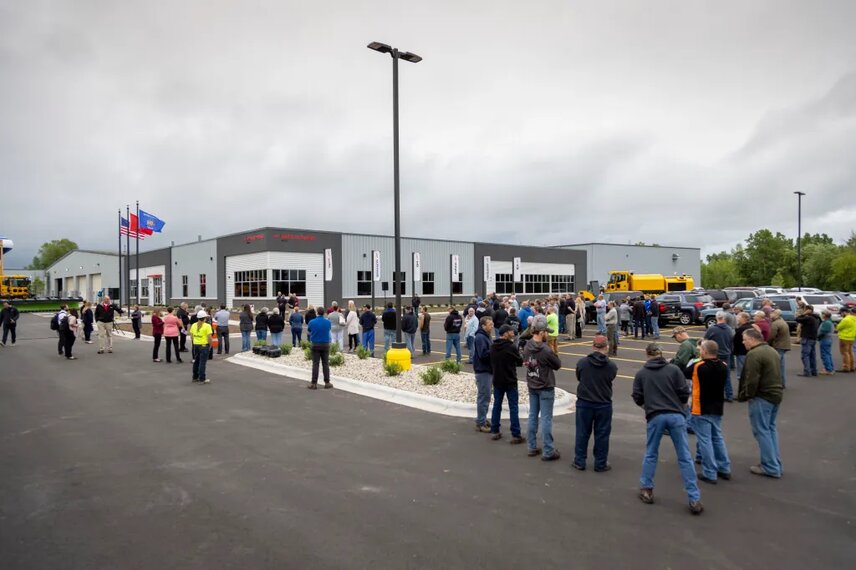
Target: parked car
<point x="771" y="289"/>
<point x="719" y="296"/>
<point x="785" y="303"/>
<point x="683" y="307"/>
<point x="845" y="299"/>
<point x="821" y="302"/>
<point x="803" y="290"/>
<point x="742" y="293"/>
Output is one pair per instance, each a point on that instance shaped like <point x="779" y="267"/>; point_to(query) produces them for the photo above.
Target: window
<point x="290" y="281"/>
<point x="536" y="283"/>
<point x="562" y="283"/>
<point x="402" y="282"/>
<point x="458" y="288"/>
<point x="184" y="286"/>
<point x="252" y="283"/>
<point x="364" y="283"/>
<point x="144" y="288"/>
<point x="203" y="286"/>
<point x="134" y="290"/>
<point x="428" y="283"/>
<point x="504" y="283"/>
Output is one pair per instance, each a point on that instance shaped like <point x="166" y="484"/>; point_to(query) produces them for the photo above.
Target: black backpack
<point x="63" y="324"/>
<point x="55" y="322"/>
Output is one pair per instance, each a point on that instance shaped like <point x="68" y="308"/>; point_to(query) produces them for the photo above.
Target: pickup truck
<point x="686" y="308"/>
<point x="787" y="305"/>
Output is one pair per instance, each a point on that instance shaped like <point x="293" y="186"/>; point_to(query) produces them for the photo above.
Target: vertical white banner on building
<point x="486" y="268"/>
<point x="456" y="268"/>
<point x="328" y="265"/>
<point x="516" y="265"/>
<point x="375" y="265"/>
<point x="417" y="266"/>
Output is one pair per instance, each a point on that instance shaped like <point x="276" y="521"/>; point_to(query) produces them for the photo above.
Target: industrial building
<point x="320" y="267"/>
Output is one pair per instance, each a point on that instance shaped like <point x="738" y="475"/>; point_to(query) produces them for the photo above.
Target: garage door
<point x="311" y="263"/>
<point x="95" y="283"/>
<point x="80" y="287"/>
<point x="68" y="287"/>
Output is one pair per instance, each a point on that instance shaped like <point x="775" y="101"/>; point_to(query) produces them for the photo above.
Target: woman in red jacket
<point x="157" y="332"/>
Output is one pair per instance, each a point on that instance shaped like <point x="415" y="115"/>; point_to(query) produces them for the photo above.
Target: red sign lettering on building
<point x="298" y="237"/>
<point x="253" y="237"/>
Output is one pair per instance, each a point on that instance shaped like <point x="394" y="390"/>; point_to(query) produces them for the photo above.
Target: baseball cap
<point x="201" y="315"/>
<point x="653" y="349"/>
<point x="539" y="324"/>
<point x="506" y="329"/>
<point x="678" y="330"/>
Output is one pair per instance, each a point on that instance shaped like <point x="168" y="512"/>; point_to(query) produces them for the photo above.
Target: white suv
<point x="820" y="302"/>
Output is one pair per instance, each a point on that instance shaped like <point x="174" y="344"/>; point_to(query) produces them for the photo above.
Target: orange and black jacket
<point x="708" y="394"/>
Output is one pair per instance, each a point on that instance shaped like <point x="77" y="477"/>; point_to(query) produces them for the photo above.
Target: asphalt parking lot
<point x="112" y="461"/>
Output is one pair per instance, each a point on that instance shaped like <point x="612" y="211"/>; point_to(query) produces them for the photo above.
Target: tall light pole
<point x="396" y="277"/>
<point x="799" y="239"/>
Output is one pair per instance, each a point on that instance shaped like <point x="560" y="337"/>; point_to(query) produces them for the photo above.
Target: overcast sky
<point x="678" y="122"/>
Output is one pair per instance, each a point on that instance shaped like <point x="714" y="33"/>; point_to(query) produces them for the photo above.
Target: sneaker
<point x="696" y="507"/>
<point x="496" y="436"/>
<point x="206" y="381"/>
<point x="577" y="466"/>
<point x="328" y="385"/>
<point x="646" y="496"/>
<point x="552" y="457"/>
<point x="89" y="342"/>
<point x="516" y="439"/>
<point x="758" y="470"/>
<point x="156" y="360"/>
<point x="603" y="469"/>
<point x="2" y="344"/>
<point x="72" y="358"/>
<point x="707" y="479"/>
<point x="804" y="374"/>
<point x="483" y="428"/>
<point x="13" y="344"/>
<point x="724" y="476"/>
<point x="825" y="373"/>
<point x="110" y="350"/>
<point x="533" y="452"/>
<point x="313" y="386"/>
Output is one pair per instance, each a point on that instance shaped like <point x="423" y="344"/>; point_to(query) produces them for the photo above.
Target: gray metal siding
<point x="193" y="260"/>
<point x="642" y="259"/>
<point x="83" y="264"/>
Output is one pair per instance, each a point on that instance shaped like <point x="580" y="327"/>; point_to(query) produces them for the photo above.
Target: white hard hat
<point x="202" y="315"/>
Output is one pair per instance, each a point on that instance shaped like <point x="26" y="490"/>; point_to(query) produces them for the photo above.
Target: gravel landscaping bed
<point x="454" y="387"/>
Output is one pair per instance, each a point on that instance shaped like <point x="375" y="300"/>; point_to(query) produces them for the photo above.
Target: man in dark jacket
<point x="425" y="330"/>
<point x="9" y="318"/>
<point x="483" y="371"/>
<point x="368" y="320"/>
<point x="541" y="363"/>
<point x="595" y="374"/>
<point x="452" y="326"/>
<point x="639" y="316"/>
<point x="182" y="314"/>
<point x="662" y="390"/>
<point x="388" y="317"/>
<point x="809" y="323"/>
<point x="761" y="386"/>
<point x="723" y="336"/>
<point x="504" y="359"/>
<point x="104" y="314"/>
<point x="499" y="317"/>
<point x="708" y="384"/>
<point x="408" y="327"/>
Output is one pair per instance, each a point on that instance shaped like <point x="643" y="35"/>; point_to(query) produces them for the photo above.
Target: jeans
<point x="275" y="340"/>
<point x="68" y="339"/>
<point x="453" y="340"/>
<point x="677" y="426"/>
<point x="426" y="342"/>
<point x="7" y="328"/>
<point x="729" y="389"/>
<point x="261" y="334"/>
<point x="648" y="325"/>
<point x="135" y="324"/>
<point x="808" y="354"/>
<point x="541" y="402"/>
<point x="825" y="355"/>
<point x="321" y="353"/>
<point x="388" y="339"/>
<point x="496" y="415"/>
<point x="223" y="337"/>
<point x="739" y="361"/>
<point x="762" y="416"/>
<point x="638" y="325"/>
<point x="782" y="353"/>
<point x="172" y="342"/>
<point x="296" y="336"/>
<point x="245" y="340"/>
<point x="470" y="342"/>
<point x="156" y="348"/>
<point x="200" y="360"/>
<point x="368" y="340"/>
<point x="410" y="341"/>
<point x="601" y="322"/>
<point x="484" y="380"/>
<point x="655" y="326"/>
<point x="710" y="446"/>
<point x="594" y="417"/>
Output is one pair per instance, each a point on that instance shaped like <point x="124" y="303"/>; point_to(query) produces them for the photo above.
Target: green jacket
<point x="761" y="377"/>
<point x="687" y="350"/>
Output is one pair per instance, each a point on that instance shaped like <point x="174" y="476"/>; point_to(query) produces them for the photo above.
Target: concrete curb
<point x="564" y="403"/>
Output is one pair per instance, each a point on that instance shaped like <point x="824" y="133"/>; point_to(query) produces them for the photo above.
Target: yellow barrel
<point x="399" y="355"/>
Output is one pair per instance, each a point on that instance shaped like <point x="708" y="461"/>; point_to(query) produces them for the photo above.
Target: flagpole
<point x="137" y="262"/>
<point x="119" y="211"/>
<point x="128" y="254"/>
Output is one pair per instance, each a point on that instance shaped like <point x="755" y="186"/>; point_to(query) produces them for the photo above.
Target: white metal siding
<point x="529" y="268"/>
<point x="95" y="285"/>
<point x="312" y="263"/>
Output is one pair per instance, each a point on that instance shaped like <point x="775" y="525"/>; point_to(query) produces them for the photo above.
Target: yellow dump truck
<point x="648" y="283"/>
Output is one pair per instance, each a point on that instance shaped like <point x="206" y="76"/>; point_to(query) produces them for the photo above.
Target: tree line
<point x="766" y="258"/>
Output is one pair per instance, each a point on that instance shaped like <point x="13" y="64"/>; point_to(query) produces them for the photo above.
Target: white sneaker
<point x="13" y="344"/>
<point x="206" y="381"/>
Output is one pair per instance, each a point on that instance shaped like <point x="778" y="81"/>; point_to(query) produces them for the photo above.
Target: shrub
<point x="260" y="342"/>
<point x="450" y="366"/>
<point x="431" y="376"/>
<point x="335" y="348"/>
<point x="307" y="353"/>
<point x="285" y="348"/>
<point x="337" y="359"/>
<point x="363" y="352"/>
<point x="392" y="368"/>
<point x="304" y="344"/>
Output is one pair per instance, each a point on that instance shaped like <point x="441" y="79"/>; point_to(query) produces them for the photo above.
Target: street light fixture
<point x="799" y="239"/>
<point x="396" y="279"/>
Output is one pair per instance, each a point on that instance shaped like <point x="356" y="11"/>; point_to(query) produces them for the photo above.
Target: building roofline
<point x="95" y="251"/>
<point x="625" y="245"/>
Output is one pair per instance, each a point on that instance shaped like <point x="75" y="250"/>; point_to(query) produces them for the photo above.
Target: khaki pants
<point x="846" y="349"/>
<point x="571" y="325"/>
<point x="553" y="342"/>
<point x="105" y="336"/>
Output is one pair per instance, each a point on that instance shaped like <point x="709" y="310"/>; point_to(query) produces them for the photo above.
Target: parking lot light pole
<point x="396" y="276"/>
<point x="799" y="239"/>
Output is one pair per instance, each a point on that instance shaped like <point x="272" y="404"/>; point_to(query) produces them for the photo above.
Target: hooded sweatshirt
<point x="540" y="363"/>
<point x="505" y="358"/>
<point x="481" y="352"/>
<point x="660" y="388"/>
<point x="453" y="323"/>
<point x="595" y="374"/>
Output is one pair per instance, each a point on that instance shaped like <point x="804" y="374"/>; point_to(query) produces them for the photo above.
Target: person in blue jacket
<point x="484" y="372"/>
<point x="319" y="336"/>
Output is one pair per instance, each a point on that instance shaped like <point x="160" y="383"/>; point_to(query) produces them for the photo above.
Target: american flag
<point x="130" y="230"/>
